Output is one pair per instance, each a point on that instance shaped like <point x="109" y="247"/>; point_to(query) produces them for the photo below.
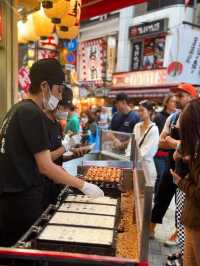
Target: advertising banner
<point x="184" y="61"/>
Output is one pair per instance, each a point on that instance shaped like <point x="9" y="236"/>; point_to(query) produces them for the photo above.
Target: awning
<point x="142" y="92"/>
<point x="92" y="8"/>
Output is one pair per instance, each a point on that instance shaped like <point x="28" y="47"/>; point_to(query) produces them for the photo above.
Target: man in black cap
<point x="25" y="155"/>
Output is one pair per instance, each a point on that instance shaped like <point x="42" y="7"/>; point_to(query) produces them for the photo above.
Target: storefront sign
<point x="111" y="56"/>
<point x="92" y="55"/>
<point x="184" y="65"/>
<point x="1" y="25"/>
<point x="148" y="78"/>
<point x="136" y="55"/>
<point x="149" y="28"/>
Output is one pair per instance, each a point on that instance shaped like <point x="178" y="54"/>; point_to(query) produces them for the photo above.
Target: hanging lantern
<point x="59" y="10"/>
<point x="42" y="24"/>
<point x="28" y="4"/>
<point x="21" y="32"/>
<point x="30" y="33"/>
<point x="49" y="3"/>
<point x="68" y="21"/>
<point x="78" y="15"/>
<point x="73" y="16"/>
<point x="70" y="33"/>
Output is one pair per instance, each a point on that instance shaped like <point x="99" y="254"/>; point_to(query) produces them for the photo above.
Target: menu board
<point x="148" y="58"/>
<point x="136" y="56"/>
<point x="148" y="53"/>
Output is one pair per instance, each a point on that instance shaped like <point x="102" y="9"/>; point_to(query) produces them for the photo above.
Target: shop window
<point x="148" y="53"/>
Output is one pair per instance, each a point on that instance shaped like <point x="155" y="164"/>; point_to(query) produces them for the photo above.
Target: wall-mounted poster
<point x="92" y="60"/>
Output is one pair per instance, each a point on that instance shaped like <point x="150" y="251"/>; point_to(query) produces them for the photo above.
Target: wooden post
<point x="8" y="56"/>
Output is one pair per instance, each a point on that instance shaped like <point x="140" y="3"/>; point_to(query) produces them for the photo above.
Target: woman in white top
<point x="147" y="139"/>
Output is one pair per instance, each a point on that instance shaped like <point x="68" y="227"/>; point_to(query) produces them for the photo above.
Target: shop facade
<point x="142" y="84"/>
<point x="97" y="56"/>
<point x="145" y="37"/>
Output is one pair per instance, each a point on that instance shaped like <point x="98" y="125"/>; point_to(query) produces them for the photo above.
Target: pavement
<point x="158" y="252"/>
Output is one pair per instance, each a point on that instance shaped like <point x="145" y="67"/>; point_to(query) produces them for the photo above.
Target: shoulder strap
<point x="174" y="119"/>
<point x="142" y="140"/>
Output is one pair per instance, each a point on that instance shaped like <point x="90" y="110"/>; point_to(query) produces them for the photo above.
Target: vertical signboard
<point x="184" y="64"/>
<point x="1" y="25"/>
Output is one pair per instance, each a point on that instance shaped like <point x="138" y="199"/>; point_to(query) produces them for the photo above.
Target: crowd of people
<point x="39" y="130"/>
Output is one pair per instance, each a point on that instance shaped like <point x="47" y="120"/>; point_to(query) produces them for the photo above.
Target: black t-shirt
<point x="54" y="137"/>
<point x="51" y="189"/>
<point x="23" y="133"/>
<point x="124" y="122"/>
<point x="160" y="119"/>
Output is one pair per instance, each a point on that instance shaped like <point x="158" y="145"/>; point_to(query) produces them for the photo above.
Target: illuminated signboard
<point x="148" y="78"/>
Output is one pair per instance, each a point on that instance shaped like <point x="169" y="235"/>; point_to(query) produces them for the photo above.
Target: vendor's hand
<point x="92" y="190"/>
<point x="176" y="177"/>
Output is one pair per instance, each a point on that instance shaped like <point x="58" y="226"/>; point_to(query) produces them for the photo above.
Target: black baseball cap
<point x="49" y="70"/>
<point x="121" y="97"/>
<point x="67" y="96"/>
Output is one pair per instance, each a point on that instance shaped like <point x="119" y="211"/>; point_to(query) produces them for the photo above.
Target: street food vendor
<point x="25" y="155"/>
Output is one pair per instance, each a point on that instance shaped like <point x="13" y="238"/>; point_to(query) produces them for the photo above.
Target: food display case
<point x="108" y="231"/>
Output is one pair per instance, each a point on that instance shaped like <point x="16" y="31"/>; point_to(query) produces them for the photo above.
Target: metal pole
<point x="195" y="11"/>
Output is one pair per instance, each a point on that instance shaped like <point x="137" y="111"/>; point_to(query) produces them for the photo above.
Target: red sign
<point x="1" y="23"/>
<point x="148" y="78"/>
<point x="187" y="2"/>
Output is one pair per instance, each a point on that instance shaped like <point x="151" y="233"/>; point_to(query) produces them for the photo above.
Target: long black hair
<point x="190" y="136"/>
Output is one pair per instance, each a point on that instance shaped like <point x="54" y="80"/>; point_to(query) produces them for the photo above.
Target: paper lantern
<point x="30" y="33"/>
<point x="59" y="10"/>
<point x="71" y="33"/>
<point x="42" y="24"/>
<point x="49" y="3"/>
<point x="21" y="32"/>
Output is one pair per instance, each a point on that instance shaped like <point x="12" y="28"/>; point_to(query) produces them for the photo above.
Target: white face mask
<point x="51" y="103"/>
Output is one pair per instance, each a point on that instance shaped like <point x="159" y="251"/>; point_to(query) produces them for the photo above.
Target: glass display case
<point x="118" y="145"/>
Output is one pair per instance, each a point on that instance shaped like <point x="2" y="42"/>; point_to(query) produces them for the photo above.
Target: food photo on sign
<point x="149" y="59"/>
